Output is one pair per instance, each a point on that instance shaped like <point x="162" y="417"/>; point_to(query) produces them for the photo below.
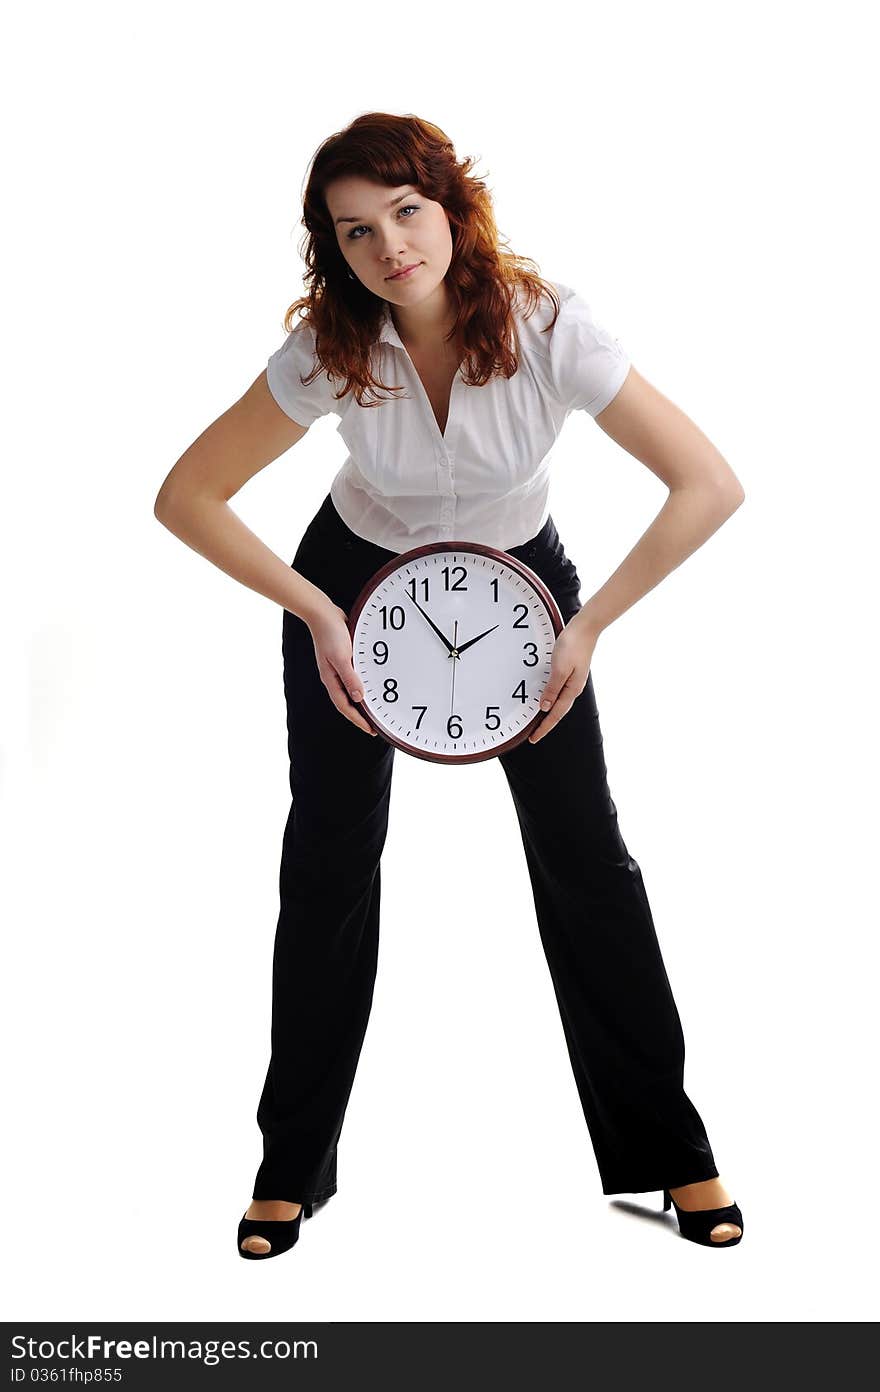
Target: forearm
<point x="687" y="519"/>
<point x="210" y="526"/>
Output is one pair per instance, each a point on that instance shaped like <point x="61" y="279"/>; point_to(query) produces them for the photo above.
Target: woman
<point x="410" y="293"/>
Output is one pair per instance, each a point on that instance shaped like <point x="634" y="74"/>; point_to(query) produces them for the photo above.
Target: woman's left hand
<point x="569" y="669"/>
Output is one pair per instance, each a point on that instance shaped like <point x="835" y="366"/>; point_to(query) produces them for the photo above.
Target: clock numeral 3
<point x="534" y="648"/>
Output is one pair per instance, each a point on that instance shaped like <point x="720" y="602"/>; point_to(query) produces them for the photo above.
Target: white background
<point x="703" y="176"/>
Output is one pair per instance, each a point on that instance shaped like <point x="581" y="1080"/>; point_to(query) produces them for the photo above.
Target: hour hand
<point x="463" y="647"/>
<point x="440" y="635"/>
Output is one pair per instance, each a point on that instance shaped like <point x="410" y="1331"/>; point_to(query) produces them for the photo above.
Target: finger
<point x="560" y="707"/>
<point x="547" y="725"/>
<point x="340" y="699"/>
<point x="352" y="683"/>
<point x="551" y="691"/>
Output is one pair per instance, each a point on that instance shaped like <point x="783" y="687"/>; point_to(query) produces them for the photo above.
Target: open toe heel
<point x="281" y="1234"/>
<point x="697" y="1224"/>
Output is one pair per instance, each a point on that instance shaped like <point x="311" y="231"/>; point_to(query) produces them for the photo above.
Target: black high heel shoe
<point x="281" y="1233"/>
<point x="697" y="1224"/>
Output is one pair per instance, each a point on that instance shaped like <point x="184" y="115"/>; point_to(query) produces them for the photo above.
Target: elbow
<point x="731" y="490"/>
<point x="736" y="496"/>
<point x="166" y="506"/>
<point x="735" y="489"/>
<point x="174" y="504"/>
<point x="722" y="498"/>
<point x="731" y="498"/>
<point x="160" y="508"/>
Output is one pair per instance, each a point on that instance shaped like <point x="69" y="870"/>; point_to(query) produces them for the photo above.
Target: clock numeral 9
<point x="380" y="660"/>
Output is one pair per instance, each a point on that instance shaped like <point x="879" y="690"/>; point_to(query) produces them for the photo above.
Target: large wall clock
<point x="453" y="643"/>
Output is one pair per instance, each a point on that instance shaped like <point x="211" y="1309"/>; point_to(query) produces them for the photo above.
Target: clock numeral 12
<point x="459" y="584"/>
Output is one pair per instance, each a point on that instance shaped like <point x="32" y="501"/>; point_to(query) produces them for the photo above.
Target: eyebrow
<point x="409" y="194"/>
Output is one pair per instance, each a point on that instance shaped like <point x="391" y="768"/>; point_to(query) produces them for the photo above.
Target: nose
<point x="392" y="250"/>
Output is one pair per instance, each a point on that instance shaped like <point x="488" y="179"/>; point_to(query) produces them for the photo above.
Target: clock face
<point x="453" y="646"/>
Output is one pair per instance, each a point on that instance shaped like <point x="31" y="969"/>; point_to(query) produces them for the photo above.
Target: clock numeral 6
<point x="454" y="720"/>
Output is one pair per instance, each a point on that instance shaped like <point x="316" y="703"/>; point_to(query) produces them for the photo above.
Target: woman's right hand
<point x="333" y="651"/>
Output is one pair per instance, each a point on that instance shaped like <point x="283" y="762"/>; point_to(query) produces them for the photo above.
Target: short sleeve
<point x="588" y="363"/>
<point x="294" y="359"/>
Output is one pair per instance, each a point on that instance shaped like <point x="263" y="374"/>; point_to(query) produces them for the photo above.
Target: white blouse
<point x="486" y="477"/>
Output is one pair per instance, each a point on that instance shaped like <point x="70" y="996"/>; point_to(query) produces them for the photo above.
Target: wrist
<point x="587" y="620"/>
<point x="317" y="607"/>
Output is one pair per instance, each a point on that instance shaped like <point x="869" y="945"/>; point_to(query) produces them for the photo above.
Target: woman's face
<point x="380" y="230"/>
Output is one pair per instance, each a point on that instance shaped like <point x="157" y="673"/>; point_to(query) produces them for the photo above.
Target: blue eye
<point x="353" y="238"/>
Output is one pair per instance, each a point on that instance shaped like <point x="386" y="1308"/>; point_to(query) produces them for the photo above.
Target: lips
<point x="404" y="271"/>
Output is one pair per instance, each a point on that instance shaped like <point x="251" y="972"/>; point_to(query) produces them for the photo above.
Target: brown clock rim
<point x="403" y="558"/>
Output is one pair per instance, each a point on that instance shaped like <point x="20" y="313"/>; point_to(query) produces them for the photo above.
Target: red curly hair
<point x="482" y="280"/>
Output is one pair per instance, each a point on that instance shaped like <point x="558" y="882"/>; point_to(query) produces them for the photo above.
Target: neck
<point x="424" y="327"/>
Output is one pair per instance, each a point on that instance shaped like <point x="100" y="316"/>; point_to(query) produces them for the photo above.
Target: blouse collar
<point x="387" y="331"/>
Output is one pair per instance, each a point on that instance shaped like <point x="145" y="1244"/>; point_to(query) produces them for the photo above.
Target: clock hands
<point x="454" y="650"/>
<point x="440" y="634"/>
<point x="463" y="647"/>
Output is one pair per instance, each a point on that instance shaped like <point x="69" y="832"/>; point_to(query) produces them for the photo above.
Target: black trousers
<point x="618" y="1014"/>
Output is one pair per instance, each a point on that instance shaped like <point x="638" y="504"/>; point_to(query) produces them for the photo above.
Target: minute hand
<point x="440" y="635"/>
<point x="463" y="647"/>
